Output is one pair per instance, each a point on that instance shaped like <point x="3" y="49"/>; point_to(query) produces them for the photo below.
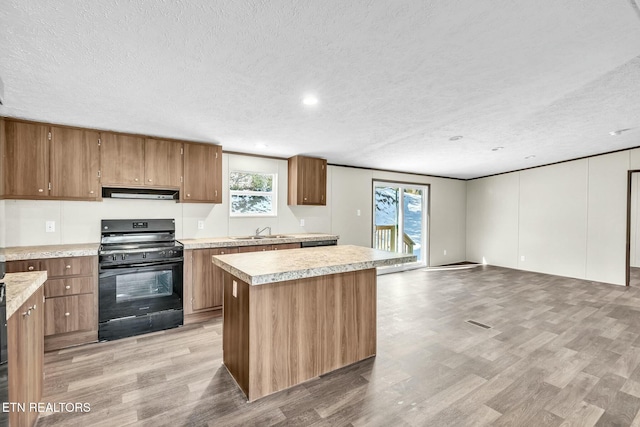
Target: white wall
<point x="2" y="224"/>
<point x="635" y="220"/>
<point x="348" y="189"/>
<point x="566" y="219"/>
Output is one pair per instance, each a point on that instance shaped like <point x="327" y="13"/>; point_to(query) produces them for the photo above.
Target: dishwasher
<point x="316" y="243"/>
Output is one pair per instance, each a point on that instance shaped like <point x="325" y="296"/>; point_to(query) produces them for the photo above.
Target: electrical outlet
<point x="302" y="223"/>
<point x="200" y="225"/>
<point x="521" y="257"/>
<point x="445" y="251"/>
<point x="50" y="226"/>
<point x="235" y="289"/>
<point x="358" y="212"/>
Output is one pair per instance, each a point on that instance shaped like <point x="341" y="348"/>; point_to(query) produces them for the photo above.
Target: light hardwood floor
<point x="558" y="351"/>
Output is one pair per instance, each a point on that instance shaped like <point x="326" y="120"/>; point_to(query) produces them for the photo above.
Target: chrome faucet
<point x="258" y="231"/>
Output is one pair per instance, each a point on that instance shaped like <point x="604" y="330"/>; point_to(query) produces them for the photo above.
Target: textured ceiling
<point x="395" y="80"/>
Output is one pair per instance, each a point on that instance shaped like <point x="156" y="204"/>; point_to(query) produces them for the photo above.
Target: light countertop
<point x="20" y="286"/>
<point x="258" y="268"/>
<point x="227" y="242"/>
<point x="19" y="253"/>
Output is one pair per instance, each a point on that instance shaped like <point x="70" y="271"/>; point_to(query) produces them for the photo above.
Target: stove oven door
<point x="139" y="289"/>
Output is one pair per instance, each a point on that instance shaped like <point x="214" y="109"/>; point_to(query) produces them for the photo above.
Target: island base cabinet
<point x="25" y="332"/>
<point x="281" y="334"/>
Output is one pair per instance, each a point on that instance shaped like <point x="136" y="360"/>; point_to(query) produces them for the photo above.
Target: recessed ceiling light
<point x="455" y="138"/>
<point x="497" y="148"/>
<point x="529" y="157"/>
<point x="310" y="100"/>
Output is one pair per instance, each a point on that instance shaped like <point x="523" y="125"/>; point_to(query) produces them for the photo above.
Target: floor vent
<point x="482" y="325"/>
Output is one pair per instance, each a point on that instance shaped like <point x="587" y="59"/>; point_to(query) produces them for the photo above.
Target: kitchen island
<point x="290" y="316"/>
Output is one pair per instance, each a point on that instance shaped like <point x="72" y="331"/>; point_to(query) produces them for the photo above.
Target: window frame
<point x="273" y="193"/>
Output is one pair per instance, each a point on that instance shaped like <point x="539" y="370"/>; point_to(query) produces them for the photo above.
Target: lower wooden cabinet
<point x="206" y="283"/>
<point x="69" y="314"/>
<point x="203" y="281"/>
<point x="71" y="292"/>
<point x="25" y="333"/>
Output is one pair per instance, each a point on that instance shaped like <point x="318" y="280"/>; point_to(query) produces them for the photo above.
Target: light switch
<point x="358" y="212"/>
<point x="302" y="223"/>
<point x="50" y="226"/>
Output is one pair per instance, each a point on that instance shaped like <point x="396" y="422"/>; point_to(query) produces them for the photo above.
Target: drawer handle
<point x="30" y="268"/>
<point x="67" y="287"/>
<point x="67" y="314"/>
<point x="91" y="192"/>
<point x="68" y="267"/>
<point x="40" y="190"/>
<point x="149" y="179"/>
<point x="28" y="312"/>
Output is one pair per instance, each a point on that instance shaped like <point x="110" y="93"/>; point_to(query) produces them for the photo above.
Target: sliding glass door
<point x="400" y="218"/>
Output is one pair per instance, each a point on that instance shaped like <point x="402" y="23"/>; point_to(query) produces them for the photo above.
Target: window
<point x="253" y="194"/>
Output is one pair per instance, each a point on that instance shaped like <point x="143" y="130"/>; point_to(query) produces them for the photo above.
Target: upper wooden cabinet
<point x="307" y="181"/>
<point x="202" y="173"/>
<point x="135" y="161"/>
<point x="50" y="162"/>
<point x="122" y="159"/>
<point x="75" y="163"/>
<point x="162" y="163"/>
<point x="26" y="160"/>
<point x="41" y="161"/>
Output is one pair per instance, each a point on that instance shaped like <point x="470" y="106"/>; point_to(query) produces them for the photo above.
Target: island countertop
<point x="20" y="286"/>
<point x="259" y="268"/>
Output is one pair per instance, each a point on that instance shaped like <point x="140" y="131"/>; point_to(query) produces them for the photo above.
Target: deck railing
<point x="386" y="237"/>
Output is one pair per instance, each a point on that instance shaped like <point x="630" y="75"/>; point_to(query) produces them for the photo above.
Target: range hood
<point x="140" y="193"/>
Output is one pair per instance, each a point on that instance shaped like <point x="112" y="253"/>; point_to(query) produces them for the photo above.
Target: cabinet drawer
<point x="224" y="251"/>
<point x="76" y="266"/>
<point x="69" y="314"/>
<point x="255" y="248"/>
<point x="22" y="266"/>
<point x="70" y="286"/>
<point x="282" y="246"/>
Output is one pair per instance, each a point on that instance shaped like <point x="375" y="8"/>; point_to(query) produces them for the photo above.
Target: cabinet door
<point x="121" y="160"/>
<point x="202" y="173"/>
<point x="314" y="180"/>
<point x="69" y="314"/>
<point x="202" y="286"/>
<point x="26" y="357"/>
<point x="162" y="163"/>
<point x="75" y="162"/>
<point x="217" y="283"/>
<point x="26" y="160"/>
